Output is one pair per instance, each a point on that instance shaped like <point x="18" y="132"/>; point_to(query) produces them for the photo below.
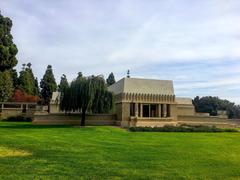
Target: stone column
<point x="141" y="110"/>
<point x="164" y="110"/>
<point x="136" y="109"/>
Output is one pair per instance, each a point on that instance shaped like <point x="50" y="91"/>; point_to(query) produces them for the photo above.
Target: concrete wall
<point x="54" y="108"/>
<point x="185" y="110"/>
<point x="173" y="111"/>
<point x="122" y="114"/>
<point x="191" y="120"/>
<point x="74" y="119"/>
<point x="15" y="112"/>
<point x="211" y="120"/>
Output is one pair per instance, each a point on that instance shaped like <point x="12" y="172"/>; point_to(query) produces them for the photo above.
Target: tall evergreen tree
<point x="80" y="75"/>
<point x="8" y="50"/>
<point x="6" y="86"/>
<point x="63" y="83"/>
<point x="26" y="80"/>
<point x="14" y="75"/>
<point x="110" y="79"/>
<point x="36" y="90"/>
<point x="48" y="85"/>
<point x="8" y="60"/>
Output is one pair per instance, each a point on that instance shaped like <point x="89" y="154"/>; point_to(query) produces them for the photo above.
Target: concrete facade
<point x="147" y="102"/>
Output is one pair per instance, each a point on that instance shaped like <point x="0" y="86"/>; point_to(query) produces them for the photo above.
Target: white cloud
<point x="103" y="36"/>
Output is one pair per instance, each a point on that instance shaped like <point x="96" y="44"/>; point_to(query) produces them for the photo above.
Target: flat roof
<point x="142" y="86"/>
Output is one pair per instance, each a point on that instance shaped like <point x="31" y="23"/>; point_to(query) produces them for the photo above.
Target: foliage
<point x="111" y="79"/>
<point x="101" y="152"/>
<point x="63" y="84"/>
<point x="181" y="128"/>
<point x="8" y="49"/>
<point x="48" y="85"/>
<point x="18" y="119"/>
<point x="8" y="60"/>
<point x="85" y="94"/>
<point x="14" y="75"/>
<point x="80" y="75"/>
<point x="26" y="80"/>
<point x="211" y="105"/>
<point x="20" y="96"/>
<point x="36" y="90"/>
<point x="6" y="86"/>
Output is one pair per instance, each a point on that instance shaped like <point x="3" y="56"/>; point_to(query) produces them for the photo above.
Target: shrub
<point x="18" y="119"/>
<point x="20" y="96"/>
<point x="181" y="128"/>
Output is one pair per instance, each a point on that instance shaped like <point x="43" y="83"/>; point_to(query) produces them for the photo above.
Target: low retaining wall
<point x="6" y="113"/>
<point x="191" y="120"/>
<point x="74" y="119"/>
<point x="208" y="120"/>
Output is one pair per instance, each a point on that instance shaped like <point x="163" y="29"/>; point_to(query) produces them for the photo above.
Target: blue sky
<point x="194" y="43"/>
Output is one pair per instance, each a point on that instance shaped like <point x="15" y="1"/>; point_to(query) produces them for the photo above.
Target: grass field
<point x="63" y="152"/>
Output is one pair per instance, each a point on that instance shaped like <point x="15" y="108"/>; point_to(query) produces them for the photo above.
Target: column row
<point x="152" y="110"/>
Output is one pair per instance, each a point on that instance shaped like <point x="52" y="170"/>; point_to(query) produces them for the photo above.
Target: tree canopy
<point x="8" y="50"/>
<point x="6" y="86"/>
<point x="26" y="80"/>
<point x="87" y="94"/>
<point x="211" y="105"/>
<point x="48" y="85"/>
<point x="63" y="83"/>
<point x="111" y="79"/>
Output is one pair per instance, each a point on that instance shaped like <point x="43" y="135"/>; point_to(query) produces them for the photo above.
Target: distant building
<point x="55" y="102"/>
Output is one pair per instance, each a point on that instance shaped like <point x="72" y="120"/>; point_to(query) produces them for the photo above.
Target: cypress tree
<point x="14" y="75"/>
<point x="6" y="86"/>
<point x="48" y="85"/>
<point x="63" y="83"/>
<point x="26" y="80"/>
<point x="110" y="79"/>
<point x="8" y="52"/>
<point x="36" y="90"/>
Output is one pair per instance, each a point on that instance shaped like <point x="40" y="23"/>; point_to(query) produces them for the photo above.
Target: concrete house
<point x="149" y="102"/>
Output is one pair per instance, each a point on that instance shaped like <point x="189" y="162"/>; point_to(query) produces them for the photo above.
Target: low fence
<point x="74" y="119"/>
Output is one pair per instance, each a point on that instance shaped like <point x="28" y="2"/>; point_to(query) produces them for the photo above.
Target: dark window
<point x="168" y="110"/>
<point x="153" y="110"/>
<point x="132" y="109"/>
<point x="145" y="110"/>
<point x="162" y="112"/>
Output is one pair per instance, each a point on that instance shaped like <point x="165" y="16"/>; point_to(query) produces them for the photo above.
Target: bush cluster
<point x="181" y="128"/>
<point x="18" y="119"/>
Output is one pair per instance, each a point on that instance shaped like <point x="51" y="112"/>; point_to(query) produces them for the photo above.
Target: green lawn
<point x="63" y="152"/>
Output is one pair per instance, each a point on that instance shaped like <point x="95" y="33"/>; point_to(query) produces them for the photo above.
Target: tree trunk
<point x="83" y="117"/>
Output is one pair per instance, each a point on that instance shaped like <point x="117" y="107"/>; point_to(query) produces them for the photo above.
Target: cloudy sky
<point x="194" y="43"/>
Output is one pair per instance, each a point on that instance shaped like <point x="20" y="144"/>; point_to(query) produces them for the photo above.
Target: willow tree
<point x="87" y="94"/>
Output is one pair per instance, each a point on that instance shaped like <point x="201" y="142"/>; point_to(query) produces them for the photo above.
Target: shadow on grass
<point x="31" y="126"/>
